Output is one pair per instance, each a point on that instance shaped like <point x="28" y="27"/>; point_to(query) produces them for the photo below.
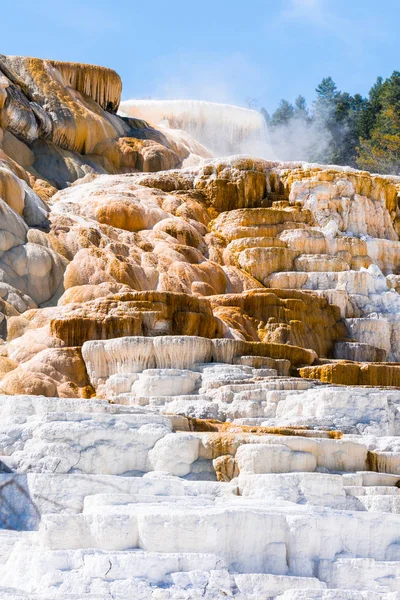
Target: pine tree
<point x="327" y="90"/>
<point x="355" y="131"/>
<point x="283" y="114"/>
<point x="381" y="152"/>
<point x="336" y="114"/>
<point x="348" y="109"/>
<point x="325" y="120"/>
<point x="367" y="117"/>
<point x="300" y="108"/>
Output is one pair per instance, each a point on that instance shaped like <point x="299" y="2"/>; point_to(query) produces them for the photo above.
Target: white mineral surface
<point x="124" y="501"/>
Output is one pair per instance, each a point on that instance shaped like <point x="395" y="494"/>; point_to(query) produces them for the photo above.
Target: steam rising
<point x="226" y="129"/>
<point x="299" y="140"/>
<point x="223" y="128"/>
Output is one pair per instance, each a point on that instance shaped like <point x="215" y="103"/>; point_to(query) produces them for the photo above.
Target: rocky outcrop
<point x="58" y="372"/>
<point x="31" y="272"/>
<point x="61" y="123"/>
<point x="138" y="260"/>
<point x="352" y="373"/>
<point x="355" y="201"/>
<point x="142" y="313"/>
<point x="198" y="366"/>
<point x="281" y="316"/>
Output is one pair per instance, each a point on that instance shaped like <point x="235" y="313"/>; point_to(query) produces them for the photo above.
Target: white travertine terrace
<point x="108" y="500"/>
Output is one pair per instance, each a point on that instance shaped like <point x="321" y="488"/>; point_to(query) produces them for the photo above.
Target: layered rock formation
<point x="199" y="365"/>
<point x="60" y="123"/>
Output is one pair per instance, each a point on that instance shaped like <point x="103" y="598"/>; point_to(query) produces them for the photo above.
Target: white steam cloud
<point x="297" y="140"/>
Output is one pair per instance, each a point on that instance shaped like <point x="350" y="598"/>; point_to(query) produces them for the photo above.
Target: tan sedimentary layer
<point x="283" y="316"/>
<point x="141" y="313"/>
<point x="373" y="374"/>
<point x="101" y="84"/>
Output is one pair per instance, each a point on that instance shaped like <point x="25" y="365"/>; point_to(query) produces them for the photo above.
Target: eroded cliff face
<point x="199" y="366"/>
<point x="309" y="260"/>
<point x="60" y="123"/>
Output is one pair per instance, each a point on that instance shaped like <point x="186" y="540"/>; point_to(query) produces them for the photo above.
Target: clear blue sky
<point x="222" y="50"/>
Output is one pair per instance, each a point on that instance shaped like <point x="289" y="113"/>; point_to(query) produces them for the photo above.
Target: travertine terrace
<point x="199" y="360"/>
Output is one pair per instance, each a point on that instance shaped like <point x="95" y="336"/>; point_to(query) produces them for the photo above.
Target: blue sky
<point x="221" y="50"/>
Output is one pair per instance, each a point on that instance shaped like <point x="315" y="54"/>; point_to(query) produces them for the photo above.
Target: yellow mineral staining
<point x="103" y="85"/>
<point x="225" y="468"/>
<point x="261" y="262"/>
<point x="349" y="373"/>
<point x="376" y="187"/>
<point x="221" y="445"/>
<point x="127" y="155"/>
<point x="43" y="188"/>
<point x="121" y="213"/>
<point x="232" y="253"/>
<point x="142" y="313"/>
<point x="382" y="462"/>
<point x="58" y="372"/>
<point x="260" y="222"/>
<point x="4" y="84"/>
<point x="11" y="190"/>
<point x="282" y="316"/>
<point x="95" y="266"/>
<point x="267" y="258"/>
<point x="83" y="123"/>
<point x="7" y="365"/>
<point x="226" y="350"/>
<point x="210" y="425"/>
<point x="17" y="150"/>
<point x="75" y="106"/>
<point x="235" y="185"/>
<point x="319" y="262"/>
